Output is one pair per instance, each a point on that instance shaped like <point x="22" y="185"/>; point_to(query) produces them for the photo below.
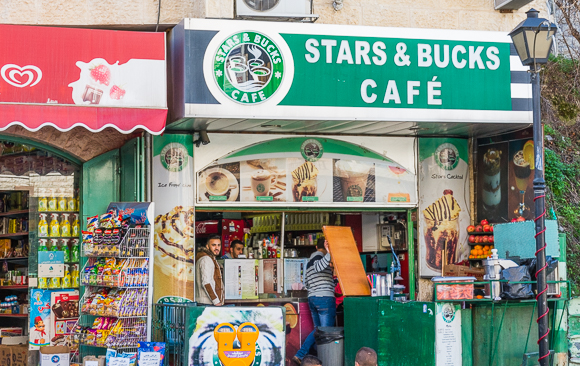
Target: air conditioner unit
<point x="510" y="4"/>
<point x="274" y="9"/>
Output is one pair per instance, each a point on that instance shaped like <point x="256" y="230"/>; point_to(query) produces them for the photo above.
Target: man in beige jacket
<point x="209" y="286"/>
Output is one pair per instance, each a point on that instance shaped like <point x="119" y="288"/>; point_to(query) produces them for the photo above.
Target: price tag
<point x="91" y="363"/>
<point x="119" y="361"/>
<point x="149" y="358"/>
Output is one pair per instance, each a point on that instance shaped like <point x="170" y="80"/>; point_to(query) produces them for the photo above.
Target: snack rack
<point x="124" y="319"/>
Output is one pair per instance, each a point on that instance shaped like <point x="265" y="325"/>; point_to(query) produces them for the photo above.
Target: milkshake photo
<point x="353" y="177"/>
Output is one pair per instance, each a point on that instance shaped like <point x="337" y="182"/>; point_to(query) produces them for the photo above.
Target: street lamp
<point x="532" y="39"/>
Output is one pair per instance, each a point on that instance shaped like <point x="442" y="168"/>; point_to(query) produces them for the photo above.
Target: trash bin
<point x="330" y="345"/>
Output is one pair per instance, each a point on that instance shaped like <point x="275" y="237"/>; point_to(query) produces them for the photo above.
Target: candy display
<point x="112" y="332"/>
<point x="116" y="302"/>
<point x="116" y="273"/>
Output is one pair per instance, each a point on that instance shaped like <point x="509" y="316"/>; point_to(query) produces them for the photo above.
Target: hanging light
<point x="533" y="39"/>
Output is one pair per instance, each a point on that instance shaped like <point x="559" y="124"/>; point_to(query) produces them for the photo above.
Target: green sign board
<point x="322" y="72"/>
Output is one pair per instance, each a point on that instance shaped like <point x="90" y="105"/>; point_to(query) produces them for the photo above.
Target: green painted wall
<point x="360" y="325"/>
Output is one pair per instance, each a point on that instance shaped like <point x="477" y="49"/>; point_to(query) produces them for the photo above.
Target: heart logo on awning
<point x="21" y="77"/>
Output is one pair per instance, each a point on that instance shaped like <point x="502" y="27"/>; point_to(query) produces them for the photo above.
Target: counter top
<point x="268" y="300"/>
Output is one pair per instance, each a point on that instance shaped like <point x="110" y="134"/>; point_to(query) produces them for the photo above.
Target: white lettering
<point x="378" y="49"/>
<point x="475" y="57"/>
<point x="328" y="43"/>
<point x="460" y="64"/>
<point x="491" y="54"/>
<point x="425" y="59"/>
<point x="314" y="54"/>
<point x="361" y="51"/>
<point x="442" y="64"/>
<point x="431" y="92"/>
<point x="364" y="91"/>
<point x="411" y="91"/>
<point x="392" y="93"/>
<point x="344" y="53"/>
<point x="245" y="98"/>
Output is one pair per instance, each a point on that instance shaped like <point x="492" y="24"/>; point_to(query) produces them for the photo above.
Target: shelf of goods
<point x="117" y="294"/>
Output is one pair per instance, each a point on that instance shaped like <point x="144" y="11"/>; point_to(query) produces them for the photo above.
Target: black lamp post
<point x="532" y="39"/>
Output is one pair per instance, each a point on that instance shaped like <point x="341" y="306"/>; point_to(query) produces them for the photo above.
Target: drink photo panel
<point x="492" y="182"/>
<point x="219" y="183"/>
<point x="394" y="184"/>
<point x="353" y="181"/>
<point x="310" y="181"/>
<point x="263" y="180"/>
<point x="521" y="176"/>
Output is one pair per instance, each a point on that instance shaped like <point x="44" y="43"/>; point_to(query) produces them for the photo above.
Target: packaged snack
<point x="92" y="223"/>
<point x="146" y="347"/>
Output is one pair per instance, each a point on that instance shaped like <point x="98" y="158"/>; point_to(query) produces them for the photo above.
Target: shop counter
<point x="298" y="319"/>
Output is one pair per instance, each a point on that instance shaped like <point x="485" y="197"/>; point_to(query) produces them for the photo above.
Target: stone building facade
<point x="149" y="15"/>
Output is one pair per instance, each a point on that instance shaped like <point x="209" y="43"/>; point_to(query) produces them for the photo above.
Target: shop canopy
<point x="96" y="79"/>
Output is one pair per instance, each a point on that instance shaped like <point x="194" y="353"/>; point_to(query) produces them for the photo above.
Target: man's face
<point x="215" y="246"/>
<point x="40" y="325"/>
<point x="236" y="250"/>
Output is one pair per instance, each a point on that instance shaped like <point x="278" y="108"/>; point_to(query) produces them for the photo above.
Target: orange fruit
<point x="472" y="252"/>
<point x="479" y="296"/>
<point x="478" y="247"/>
<point x="486" y="248"/>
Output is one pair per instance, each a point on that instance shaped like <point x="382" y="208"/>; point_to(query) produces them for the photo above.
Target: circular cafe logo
<point x="174" y="157"/>
<point x="448" y="313"/>
<point x="447" y="156"/>
<point x="311" y="150"/>
<point x="248" y="67"/>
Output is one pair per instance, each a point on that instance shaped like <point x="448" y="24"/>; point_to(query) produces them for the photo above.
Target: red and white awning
<point x="96" y="79"/>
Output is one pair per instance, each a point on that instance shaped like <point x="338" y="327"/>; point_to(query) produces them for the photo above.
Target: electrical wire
<point x="158" y="14"/>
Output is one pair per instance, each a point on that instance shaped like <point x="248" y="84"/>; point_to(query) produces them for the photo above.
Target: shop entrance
<point x="270" y="251"/>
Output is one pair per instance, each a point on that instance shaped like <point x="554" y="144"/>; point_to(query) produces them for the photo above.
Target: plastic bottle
<point x="54" y="283"/>
<point x="62" y="204"/>
<point x="42" y="245"/>
<point x="42" y="283"/>
<point x="264" y="249"/>
<point x="42" y="204"/>
<point x="54" y="225"/>
<point x="67" y="279"/>
<point x="65" y="226"/>
<point x="43" y="226"/>
<point x="71" y="204"/>
<point x="52" y="204"/>
<point x="65" y="248"/>
<point x="75" y="276"/>
<point x="75" y="255"/>
<point x="76" y="227"/>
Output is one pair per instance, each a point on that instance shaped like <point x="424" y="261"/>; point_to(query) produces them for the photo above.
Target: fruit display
<point x="481" y="239"/>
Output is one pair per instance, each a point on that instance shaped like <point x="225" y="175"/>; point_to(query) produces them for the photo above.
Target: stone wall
<point x="142" y="14"/>
<point x="79" y="142"/>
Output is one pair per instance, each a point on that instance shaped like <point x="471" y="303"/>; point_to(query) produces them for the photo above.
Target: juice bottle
<point x="65" y="226"/>
<point x="42" y="226"/>
<point x="52" y="204"/>
<point x="76" y="228"/>
<point x="42" y="204"/>
<point x="54" y="226"/>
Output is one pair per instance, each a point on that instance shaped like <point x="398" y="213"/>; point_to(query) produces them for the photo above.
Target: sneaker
<point x="296" y="360"/>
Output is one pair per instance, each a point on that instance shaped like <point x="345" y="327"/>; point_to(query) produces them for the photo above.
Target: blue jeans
<point x="323" y="310"/>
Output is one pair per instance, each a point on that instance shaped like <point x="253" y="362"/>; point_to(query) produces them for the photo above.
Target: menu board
<point x="241" y="278"/>
<point x="449" y="349"/>
<point x="304" y="170"/>
<point x="295" y="273"/>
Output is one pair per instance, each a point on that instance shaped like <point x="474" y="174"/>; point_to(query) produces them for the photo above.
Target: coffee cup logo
<point x="311" y="150"/>
<point x="248" y="67"/>
<point x="447" y="156"/>
<point x="174" y="157"/>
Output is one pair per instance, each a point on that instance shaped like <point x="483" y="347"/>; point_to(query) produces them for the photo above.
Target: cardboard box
<point x="453" y="270"/>
<point x="14" y="355"/>
<point x="54" y="356"/>
<point x="10" y="332"/>
<point x="94" y="361"/>
<point x="12" y="341"/>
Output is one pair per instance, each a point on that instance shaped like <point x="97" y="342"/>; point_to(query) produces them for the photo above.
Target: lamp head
<point x="533" y="38"/>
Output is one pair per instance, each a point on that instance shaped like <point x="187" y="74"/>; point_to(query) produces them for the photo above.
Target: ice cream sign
<point x="338" y="73"/>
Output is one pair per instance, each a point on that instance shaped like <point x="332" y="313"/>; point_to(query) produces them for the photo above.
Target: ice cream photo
<point x="441" y="230"/>
<point x="491" y="193"/>
<point x="304" y="181"/>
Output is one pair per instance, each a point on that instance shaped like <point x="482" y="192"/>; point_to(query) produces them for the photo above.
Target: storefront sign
<point x="266" y="70"/>
<point x="449" y="348"/>
<point x="174" y="218"/>
<point x="443" y="204"/>
<point x="82" y="77"/>
<point x="301" y="171"/>
<point x="214" y="331"/>
<point x="51" y="264"/>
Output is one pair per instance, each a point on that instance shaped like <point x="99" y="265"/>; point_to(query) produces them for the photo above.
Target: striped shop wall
<point x="521" y="85"/>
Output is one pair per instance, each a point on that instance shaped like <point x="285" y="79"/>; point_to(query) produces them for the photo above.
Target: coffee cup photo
<point x="261" y="181"/>
<point x="217" y="183"/>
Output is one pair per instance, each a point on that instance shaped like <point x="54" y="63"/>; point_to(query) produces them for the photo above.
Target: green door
<point x="132" y="171"/>
<point x="100" y="183"/>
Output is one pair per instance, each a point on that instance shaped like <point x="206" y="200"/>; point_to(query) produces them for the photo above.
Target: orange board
<point x="347" y="263"/>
